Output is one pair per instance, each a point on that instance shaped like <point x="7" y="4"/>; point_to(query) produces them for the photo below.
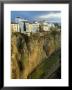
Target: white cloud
<point x="51" y="15"/>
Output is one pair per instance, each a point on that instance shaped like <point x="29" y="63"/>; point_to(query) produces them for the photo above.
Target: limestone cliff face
<point x="29" y="51"/>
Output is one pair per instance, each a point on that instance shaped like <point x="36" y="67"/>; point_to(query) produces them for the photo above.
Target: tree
<point x="57" y="25"/>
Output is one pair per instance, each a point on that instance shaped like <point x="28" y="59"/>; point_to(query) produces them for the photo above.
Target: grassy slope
<point x="47" y="67"/>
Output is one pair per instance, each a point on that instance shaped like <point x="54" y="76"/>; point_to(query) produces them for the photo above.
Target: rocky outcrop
<point x="27" y="52"/>
<point x="48" y="68"/>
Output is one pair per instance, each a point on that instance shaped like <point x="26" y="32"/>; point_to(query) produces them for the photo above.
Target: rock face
<point x="27" y="52"/>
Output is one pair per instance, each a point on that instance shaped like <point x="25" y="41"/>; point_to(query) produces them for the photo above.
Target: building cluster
<point x="24" y="26"/>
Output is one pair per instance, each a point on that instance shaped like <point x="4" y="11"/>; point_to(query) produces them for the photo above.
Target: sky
<point x="50" y="16"/>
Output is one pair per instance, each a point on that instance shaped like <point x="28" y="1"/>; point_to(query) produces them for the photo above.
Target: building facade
<point x="14" y="27"/>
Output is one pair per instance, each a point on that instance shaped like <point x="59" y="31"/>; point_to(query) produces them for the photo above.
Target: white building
<point x="51" y="25"/>
<point x="26" y="27"/>
<point x="44" y="26"/>
<point x="14" y="27"/>
<point x="35" y="27"/>
<point x="23" y="25"/>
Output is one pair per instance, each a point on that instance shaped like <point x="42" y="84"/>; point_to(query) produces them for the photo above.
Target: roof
<point x="13" y="22"/>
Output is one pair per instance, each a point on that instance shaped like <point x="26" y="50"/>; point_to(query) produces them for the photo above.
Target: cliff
<point x="28" y="52"/>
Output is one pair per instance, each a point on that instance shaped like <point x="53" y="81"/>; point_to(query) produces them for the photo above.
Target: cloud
<point x="51" y="15"/>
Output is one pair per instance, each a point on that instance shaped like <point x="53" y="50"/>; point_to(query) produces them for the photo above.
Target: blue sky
<point x="50" y="16"/>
